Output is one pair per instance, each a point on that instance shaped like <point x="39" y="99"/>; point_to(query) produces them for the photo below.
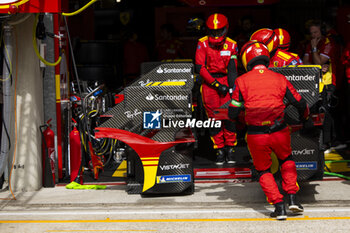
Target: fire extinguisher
<point x="48" y="155"/>
<point x="75" y="156"/>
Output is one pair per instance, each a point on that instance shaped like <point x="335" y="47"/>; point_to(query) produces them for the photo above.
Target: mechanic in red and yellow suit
<point x="278" y="42"/>
<point x="261" y="92"/>
<point x="216" y="62"/>
<point x="282" y="56"/>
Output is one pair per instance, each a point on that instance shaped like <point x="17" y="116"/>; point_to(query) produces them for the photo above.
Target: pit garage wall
<point x="28" y="173"/>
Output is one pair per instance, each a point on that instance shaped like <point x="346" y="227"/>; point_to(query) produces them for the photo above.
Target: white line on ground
<point x="43" y="212"/>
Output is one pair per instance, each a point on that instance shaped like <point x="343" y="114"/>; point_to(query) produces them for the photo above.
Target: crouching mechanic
<point x="261" y="92"/>
<point x="216" y="57"/>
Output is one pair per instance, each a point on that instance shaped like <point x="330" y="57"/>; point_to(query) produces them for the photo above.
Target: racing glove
<point x="222" y="89"/>
<point x="308" y="128"/>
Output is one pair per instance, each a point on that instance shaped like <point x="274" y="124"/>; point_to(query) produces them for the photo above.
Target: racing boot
<point x="220" y="156"/>
<point x="231" y="155"/>
<point x="294" y="205"/>
<point x="280" y="212"/>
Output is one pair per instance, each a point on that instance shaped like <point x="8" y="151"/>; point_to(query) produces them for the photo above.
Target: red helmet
<point x="266" y="36"/>
<point x="283" y="37"/>
<point x="254" y="51"/>
<point x="217" y="29"/>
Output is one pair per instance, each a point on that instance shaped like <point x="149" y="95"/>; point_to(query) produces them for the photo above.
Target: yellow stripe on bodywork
<point x="156" y="83"/>
<point x="121" y="170"/>
<point x="149" y="176"/>
<point x="177" y="83"/>
<point x="150" y="162"/>
<point x="148" y="158"/>
<point x="167" y="83"/>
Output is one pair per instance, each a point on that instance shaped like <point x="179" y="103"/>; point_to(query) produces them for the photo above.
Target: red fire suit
<point x="345" y="59"/>
<point x="326" y="48"/>
<point x="284" y="58"/>
<point x="262" y="92"/>
<point x="217" y="64"/>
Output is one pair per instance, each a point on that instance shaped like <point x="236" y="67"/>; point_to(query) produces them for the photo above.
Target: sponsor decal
<point x="306" y="165"/>
<point x="175" y="113"/>
<point x="173" y="70"/>
<point x="130" y="114"/>
<point x="303" y="152"/>
<point x="225" y="53"/>
<point x="300" y="77"/>
<point x="213" y="173"/>
<point x="144" y="83"/>
<point x="151" y="120"/>
<point x="158" y="97"/>
<point x="173" y="179"/>
<point x="149" y="97"/>
<point x="303" y="91"/>
<point x="174" y="166"/>
<point x="294" y="62"/>
<point x="168" y="82"/>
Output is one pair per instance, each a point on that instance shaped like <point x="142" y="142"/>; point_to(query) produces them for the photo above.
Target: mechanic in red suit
<point x="322" y="51"/>
<point x="216" y="62"/>
<point x="261" y="92"/>
<point x="345" y="59"/>
<point x="278" y="42"/>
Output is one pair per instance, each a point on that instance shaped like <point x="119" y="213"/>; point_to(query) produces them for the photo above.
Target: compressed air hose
<point x="17" y="4"/>
<point x="36" y="22"/>
<point x="81" y="9"/>
<point x="337" y="161"/>
<point x="336" y="174"/>
<point x="36" y="46"/>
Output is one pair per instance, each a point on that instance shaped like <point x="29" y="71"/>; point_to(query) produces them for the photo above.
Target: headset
<point x="321" y="25"/>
